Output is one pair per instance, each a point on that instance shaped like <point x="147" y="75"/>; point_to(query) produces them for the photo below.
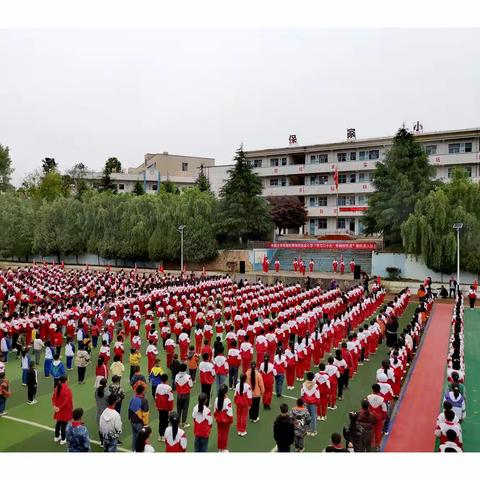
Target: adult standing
<point x="283" y="430"/>
<point x="63" y="409"/>
<point x="452" y="286"/>
<point x="472" y="296"/>
<point x="392" y="329"/>
<point x="82" y="358"/>
<point x="255" y="380"/>
<point x="138" y="413"/>
<point x="102" y="403"/>
<point x="110" y="425"/>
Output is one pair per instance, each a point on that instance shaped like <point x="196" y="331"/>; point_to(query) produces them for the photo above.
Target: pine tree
<point x="243" y="213"/>
<point x="202" y="182"/>
<point x="403" y="178"/>
<point x="138" y="188"/>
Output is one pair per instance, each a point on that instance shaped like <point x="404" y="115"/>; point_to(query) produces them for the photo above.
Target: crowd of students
<point x="265" y="336"/>
<point x="449" y="421"/>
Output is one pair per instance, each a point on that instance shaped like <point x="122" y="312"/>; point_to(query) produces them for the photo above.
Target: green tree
<point x="403" y="178"/>
<point x="52" y="185"/>
<point x="49" y="165"/>
<point x="6" y="169"/>
<point x="106" y="184"/>
<point x="202" y="182"/>
<point x="138" y="188"/>
<point x="428" y="232"/>
<point x="77" y="174"/>
<point x="288" y="212"/>
<point x="243" y="213"/>
<point x="113" y="165"/>
<point x="17" y="219"/>
<point x="168" y="187"/>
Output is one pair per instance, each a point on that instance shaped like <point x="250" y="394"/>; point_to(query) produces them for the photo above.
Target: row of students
<point x="448" y="428"/>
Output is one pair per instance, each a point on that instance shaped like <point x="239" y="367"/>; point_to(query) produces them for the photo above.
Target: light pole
<point x="180" y="229"/>
<point x="458" y="227"/>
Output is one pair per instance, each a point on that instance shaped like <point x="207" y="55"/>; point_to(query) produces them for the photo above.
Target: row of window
<point x="342" y="224"/>
<point x="153" y="186"/>
<point x="362" y="177"/>
<point x="461" y="147"/>
<point x="343" y="200"/>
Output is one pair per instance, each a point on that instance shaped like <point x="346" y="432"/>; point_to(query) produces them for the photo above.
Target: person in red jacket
<point x="223" y="414"/>
<point x="335" y="265"/>
<point x="267" y="370"/>
<point x="243" y="402"/>
<point x="352" y="265"/>
<point x="202" y="423"/>
<point x="311" y="264"/>
<point x="378" y="408"/>
<point x="207" y="375"/>
<point x="342" y="266"/>
<point x="164" y="403"/>
<point x="175" y="438"/>
<point x="63" y="409"/>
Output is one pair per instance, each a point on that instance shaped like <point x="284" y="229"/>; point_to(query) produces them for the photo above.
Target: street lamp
<point x="180" y="229"/>
<point x="458" y="227"/>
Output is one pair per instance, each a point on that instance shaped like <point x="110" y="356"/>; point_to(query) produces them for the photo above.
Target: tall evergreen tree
<point x="138" y="188"/>
<point x="49" y="165"/>
<point x="243" y="213"/>
<point x="403" y="178"/>
<point x="202" y="182"/>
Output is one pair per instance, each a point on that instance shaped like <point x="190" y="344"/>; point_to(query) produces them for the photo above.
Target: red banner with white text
<point x="325" y="245"/>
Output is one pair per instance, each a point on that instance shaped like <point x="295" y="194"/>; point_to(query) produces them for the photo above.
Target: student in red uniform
<point x="267" y="370"/>
<point x="352" y="265"/>
<point x="378" y="408"/>
<point x="333" y="376"/>
<point x="175" y="438"/>
<point x="164" y="403"/>
<point x="335" y="265"/>
<point x="342" y="266"/>
<point x="223" y="414"/>
<point x="311" y="264"/>
<point x="243" y="402"/>
<point x="277" y="266"/>
<point x="207" y="349"/>
<point x="291" y="366"/>
<point x="207" y="375"/>
<point x="323" y="384"/>
<point x="202" y="423"/>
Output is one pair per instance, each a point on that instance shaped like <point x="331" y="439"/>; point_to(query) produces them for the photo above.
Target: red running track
<point x="419" y="406"/>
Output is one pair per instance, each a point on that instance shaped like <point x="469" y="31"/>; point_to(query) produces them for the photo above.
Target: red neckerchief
<point x="76" y="424"/>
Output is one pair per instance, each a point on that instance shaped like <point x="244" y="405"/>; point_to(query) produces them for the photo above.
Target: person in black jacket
<point x="283" y="430"/>
<point x="355" y="434"/>
<point x="336" y="445"/>
<point x="32" y="382"/>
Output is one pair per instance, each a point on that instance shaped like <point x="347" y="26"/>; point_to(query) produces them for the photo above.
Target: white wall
<point x="413" y="268"/>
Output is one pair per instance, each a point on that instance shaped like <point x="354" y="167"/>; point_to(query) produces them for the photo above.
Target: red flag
<point x="335" y="177"/>
<point x="378" y="280"/>
<point x="63" y="265"/>
<point x="475" y="284"/>
<point x="161" y="268"/>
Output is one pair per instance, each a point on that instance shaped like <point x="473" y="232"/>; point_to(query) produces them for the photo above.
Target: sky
<point x="88" y="94"/>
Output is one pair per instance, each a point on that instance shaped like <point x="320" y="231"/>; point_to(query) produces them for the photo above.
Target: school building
<point x="307" y="172"/>
<point x="156" y="168"/>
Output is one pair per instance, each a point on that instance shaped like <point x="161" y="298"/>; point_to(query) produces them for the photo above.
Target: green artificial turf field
<point x="22" y="437"/>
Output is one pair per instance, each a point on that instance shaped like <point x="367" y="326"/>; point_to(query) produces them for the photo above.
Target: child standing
<point x="48" y="360"/>
<point x="202" y="423"/>
<point x="69" y="353"/>
<point x="174" y="368"/>
<point x="135" y="357"/>
<point x="184" y="385"/>
<point x="301" y="420"/>
<point x="155" y="376"/>
<point x="223" y="414"/>
<point x="207" y="375"/>
<point x="311" y="397"/>
<point x="4" y="392"/>
<point x="192" y="362"/>
<point x="32" y="382"/>
<point x="164" y="403"/>
<point x="25" y="366"/>
<point x="243" y="402"/>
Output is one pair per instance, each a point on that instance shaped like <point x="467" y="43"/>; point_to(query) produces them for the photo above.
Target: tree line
<point x="54" y="214"/>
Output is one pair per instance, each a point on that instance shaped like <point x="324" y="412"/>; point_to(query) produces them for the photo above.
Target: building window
<point x="274" y="162"/>
<point x="353" y="177"/>
<point x="344" y="200"/>
<point x="467" y="168"/>
<point x="373" y="154"/>
<point x="283" y="181"/>
<point x="318" y="179"/>
<point x="341" y="223"/>
<point x="322" y="223"/>
<point x="274" y="182"/>
<point x="362" y="200"/>
<point x="257" y="163"/>
<point x="322" y="201"/>
<point x="284" y="160"/>
<point x="363" y="156"/>
<point x="184" y="167"/>
<point x="313" y="201"/>
<point x="361" y="177"/>
<point x="154" y="187"/>
<point x="342" y="157"/>
<point x="342" y="178"/>
<point x="121" y="186"/>
<point x="313" y="159"/>
<point x="353" y="156"/>
<point x="431" y="149"/>
<point x="464" y="147"/>
<point x="321" y="158"/>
